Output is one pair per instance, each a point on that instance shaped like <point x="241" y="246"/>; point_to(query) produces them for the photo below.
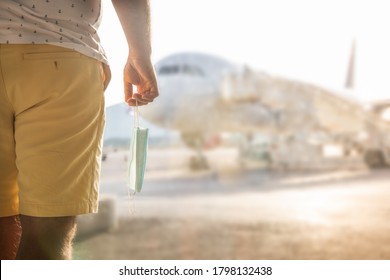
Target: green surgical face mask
<point x="138" y="153"/>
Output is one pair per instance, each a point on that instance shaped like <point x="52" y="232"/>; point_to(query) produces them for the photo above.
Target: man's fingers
<point x="141" y="76"/>
<point x="131" y="78"/>
<point x="142" y="98"/>
<point x="134" y="102"/>
<point x="137" y="99"/>
<point x="128" y="92"/>
<point x="150" y="95"/>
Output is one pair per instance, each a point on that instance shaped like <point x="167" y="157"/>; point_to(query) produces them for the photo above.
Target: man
<point x="53" y="72"/>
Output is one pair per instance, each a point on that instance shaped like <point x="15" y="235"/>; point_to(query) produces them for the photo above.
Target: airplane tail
<point x="350" y="79"/>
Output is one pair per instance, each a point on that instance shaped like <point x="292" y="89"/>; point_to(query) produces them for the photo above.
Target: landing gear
<point x="197" y="161"/>
<point x="375" y="158"/>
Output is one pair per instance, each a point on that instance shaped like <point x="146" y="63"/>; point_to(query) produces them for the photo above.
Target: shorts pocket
<point x="50" y="55"/>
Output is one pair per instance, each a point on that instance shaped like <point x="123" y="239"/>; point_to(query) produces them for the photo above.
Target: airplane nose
<point x="161" y="109"/>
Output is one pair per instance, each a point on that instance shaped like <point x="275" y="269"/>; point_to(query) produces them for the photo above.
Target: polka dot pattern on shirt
<point x="68" y="23"/>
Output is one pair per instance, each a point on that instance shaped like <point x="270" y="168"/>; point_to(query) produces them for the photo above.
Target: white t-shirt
<point x="71" y="24"/>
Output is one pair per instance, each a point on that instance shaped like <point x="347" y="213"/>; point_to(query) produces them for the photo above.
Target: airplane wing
<point x="295" y="104"/>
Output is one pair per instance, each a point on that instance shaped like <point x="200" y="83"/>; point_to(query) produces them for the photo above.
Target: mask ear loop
<point x="131" y="195"/>
<point x="136" y="115"/>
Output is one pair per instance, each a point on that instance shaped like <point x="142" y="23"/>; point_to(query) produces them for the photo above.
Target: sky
<point x="306" y="40"/>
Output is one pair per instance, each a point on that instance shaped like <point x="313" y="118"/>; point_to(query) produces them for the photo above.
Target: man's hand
<point x="134" y="17"/>
<point x="140" y="73"/>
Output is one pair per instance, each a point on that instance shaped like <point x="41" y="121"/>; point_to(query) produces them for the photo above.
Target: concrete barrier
<point x="105" y="220"/>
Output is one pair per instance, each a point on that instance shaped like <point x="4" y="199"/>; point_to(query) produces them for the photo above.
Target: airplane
<point x="203" y="96"/>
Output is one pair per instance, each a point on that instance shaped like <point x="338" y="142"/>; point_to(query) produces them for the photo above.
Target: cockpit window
<point x="191" y="70"/>
<point x="185" y="69"/>
<point x="169" y="70"/>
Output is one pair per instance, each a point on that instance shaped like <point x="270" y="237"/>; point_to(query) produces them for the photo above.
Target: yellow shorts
<point x="51" y="126"/>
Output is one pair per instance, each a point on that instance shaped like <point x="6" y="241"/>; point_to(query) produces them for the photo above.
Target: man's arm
<point x="134" y="16"/>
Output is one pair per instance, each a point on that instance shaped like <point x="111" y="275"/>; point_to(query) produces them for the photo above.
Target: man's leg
<point x="10" y="232"/>
<point x="46" y="238"/>
<point x="56" y="119"/>
<point x="9" y="204"/>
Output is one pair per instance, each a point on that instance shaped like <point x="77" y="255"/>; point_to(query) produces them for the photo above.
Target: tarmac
<point x="231" y="212"/>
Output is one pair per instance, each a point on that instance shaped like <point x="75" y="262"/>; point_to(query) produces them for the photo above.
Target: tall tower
<point x="350" y="80"/>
